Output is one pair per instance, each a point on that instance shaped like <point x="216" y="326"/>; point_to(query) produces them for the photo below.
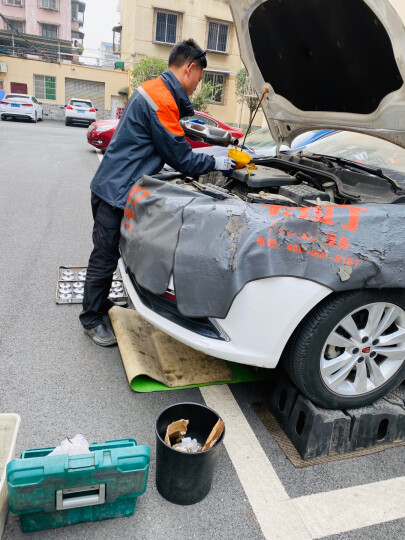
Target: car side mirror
<point x="96" y="109"/>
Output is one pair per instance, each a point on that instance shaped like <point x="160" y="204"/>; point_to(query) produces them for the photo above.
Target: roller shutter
<point x="92" y="90"/>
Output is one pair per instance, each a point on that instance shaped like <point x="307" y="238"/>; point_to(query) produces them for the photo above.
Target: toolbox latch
<point x="82" y="496"/>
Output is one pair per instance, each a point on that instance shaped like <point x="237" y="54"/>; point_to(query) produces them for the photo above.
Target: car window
<point x="82" y="104"/>
<point x="18" y="96"/>
<point x="362" y="149"/>
<point x="206" y="120"/>
<point x="260" y="139"/>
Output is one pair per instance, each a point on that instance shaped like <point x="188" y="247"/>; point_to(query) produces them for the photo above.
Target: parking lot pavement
<point x="61" y="384"/>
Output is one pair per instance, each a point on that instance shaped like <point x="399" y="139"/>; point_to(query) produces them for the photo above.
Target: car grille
<point x="168" y="309"/>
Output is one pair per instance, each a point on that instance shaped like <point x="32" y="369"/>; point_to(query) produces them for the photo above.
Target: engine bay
<point x="297" y="180"/>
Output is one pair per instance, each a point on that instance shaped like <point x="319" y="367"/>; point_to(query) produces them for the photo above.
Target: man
<point x="148" y="135"/>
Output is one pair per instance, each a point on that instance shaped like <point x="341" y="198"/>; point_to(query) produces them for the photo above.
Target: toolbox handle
<point x="92" y="495"/>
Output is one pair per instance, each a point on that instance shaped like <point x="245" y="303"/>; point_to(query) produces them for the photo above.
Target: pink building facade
<point x="52" y="19"/>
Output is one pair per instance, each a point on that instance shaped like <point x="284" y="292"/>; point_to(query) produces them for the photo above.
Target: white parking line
<point x="312" y="516"/>
<point x="99" y="154"/>
<point x="266" y="494"/>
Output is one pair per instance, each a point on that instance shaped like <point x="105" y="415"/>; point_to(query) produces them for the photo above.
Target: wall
<point x="34" y="16"/>
<point x="138" y="25"/>
<point x="23" y="71"/>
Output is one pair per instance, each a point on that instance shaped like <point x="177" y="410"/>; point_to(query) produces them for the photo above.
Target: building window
<point x="217" y="81"/>
<point x="166" y="27"/>
<point x="1" y="84"/>
<point x="48" y="4"/>
<point x="19" y="3"/>
<point x="45" y="87"/>
<point x="49" y="31"/>
<point x="217" y="36"/>
<point x="15" y="26"/>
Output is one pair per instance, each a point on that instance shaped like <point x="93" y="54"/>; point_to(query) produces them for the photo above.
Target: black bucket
<point x="185" y="478"/>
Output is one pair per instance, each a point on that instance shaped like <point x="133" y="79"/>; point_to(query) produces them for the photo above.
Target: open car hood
<point x="336" y="64"/>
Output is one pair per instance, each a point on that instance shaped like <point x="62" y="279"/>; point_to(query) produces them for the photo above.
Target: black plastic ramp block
<point x="317" y="432"/>
<point x="377" y="424"/>
<point x="282" y="400"/>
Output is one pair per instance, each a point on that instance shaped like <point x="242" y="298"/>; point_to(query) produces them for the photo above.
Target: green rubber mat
<point x="241" y="373"/>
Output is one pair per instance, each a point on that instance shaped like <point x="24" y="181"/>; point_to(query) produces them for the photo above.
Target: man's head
<point x="187" y="61"/>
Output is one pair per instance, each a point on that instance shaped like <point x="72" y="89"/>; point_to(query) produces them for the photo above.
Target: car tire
<point x="35" y="119"/>
<point x="4" y="118"/>
<point x="67" y="121"/>
<point x="329" y="358"/>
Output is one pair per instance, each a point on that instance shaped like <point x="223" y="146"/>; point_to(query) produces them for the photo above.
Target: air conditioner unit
<point x="3" y="67"/>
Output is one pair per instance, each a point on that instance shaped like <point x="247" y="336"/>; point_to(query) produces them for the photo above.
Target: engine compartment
<point x="297" y="180"/>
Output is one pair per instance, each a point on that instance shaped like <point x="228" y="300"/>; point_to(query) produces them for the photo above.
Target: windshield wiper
<point x="354" y="165"/>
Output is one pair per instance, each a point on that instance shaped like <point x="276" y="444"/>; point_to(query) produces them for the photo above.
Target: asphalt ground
<point x="61" y="384"/>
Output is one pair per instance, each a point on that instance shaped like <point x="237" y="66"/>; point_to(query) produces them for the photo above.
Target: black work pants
<point x="102" y="263"/>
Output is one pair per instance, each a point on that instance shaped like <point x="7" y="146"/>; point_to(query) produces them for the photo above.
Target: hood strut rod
<point x="266" y="91"/>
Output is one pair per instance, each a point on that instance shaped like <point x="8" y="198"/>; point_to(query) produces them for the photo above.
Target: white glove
<point x="224" y="164"/>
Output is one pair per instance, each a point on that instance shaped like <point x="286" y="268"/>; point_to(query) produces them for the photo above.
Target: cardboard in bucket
<point x="185" y="477"/>
<point x="176" y="432"/>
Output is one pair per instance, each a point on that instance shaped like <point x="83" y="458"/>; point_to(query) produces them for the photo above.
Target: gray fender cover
<point x="214" y="247"/>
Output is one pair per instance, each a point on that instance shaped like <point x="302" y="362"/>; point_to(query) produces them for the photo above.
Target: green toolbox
<point x="54" y="491"/>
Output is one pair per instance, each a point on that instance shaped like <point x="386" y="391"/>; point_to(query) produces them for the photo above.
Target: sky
<point x="99" y="18"/>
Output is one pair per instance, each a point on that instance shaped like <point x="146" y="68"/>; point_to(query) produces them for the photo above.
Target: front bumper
<point x="257" y="327"/>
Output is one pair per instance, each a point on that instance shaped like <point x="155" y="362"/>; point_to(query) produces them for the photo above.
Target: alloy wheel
<point x="364" y="350"/>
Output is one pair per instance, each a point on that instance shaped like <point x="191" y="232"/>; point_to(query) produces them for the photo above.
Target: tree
<point x="202" y="97"/>
<point x="148" y="68"/>
<point x="245" y="92"/>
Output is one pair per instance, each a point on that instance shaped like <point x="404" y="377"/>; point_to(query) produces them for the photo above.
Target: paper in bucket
<point x="184" y="477"/>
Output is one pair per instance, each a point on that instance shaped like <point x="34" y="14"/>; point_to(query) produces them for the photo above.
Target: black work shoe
<point x="108" y="323"/>
<point x="101" y="335"/>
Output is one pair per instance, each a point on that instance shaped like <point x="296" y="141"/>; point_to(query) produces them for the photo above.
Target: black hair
<point x="186" y="52"/>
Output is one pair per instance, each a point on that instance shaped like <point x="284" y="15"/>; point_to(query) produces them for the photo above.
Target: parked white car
<point x="21" y="106"/>
<point x="80" y="111"/>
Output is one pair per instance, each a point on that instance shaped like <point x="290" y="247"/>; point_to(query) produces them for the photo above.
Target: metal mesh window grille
<point x="217" y="36"/>
<point x="49" y="31"/>
<point x="48" y="4"/>
<point x="217" y="82"/>
<point x="45" y="87"/>
<point x="166" y="27"/>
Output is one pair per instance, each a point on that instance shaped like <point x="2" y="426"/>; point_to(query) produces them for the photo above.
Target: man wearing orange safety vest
<point x="147" y="136"/>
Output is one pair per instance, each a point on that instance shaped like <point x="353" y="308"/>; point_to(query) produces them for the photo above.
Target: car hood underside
<point x="336" y="64"/>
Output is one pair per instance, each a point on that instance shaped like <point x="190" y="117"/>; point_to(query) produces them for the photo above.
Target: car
<point x="21" y="106"/>
<point x="79" y="111"/>
<point x="205" y="118"/>
<point x="296" y="259"/>
<point x="99" y="133"/>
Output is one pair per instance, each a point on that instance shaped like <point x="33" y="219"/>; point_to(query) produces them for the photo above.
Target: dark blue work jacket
<point x="147" y="136"/>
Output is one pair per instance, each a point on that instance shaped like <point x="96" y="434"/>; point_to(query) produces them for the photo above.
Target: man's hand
<point x="224" y="164"/>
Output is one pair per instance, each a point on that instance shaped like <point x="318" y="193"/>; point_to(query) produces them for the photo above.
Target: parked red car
<point x="100" y="133"/>
<point x="211" y="121"/>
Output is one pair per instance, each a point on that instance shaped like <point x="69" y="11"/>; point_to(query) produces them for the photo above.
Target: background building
<point x="40" y="44"/>
<point x="148" y="30"/>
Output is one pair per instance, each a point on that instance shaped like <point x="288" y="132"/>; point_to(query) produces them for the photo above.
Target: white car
<point x="21" y="106"/>
<point x="298" y="258"/>
<point x="81" y="111"/>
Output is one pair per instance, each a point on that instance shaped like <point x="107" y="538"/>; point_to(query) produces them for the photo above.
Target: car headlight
<point x="101" y="129"/>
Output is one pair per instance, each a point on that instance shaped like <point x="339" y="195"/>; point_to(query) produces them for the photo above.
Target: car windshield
<point x="82" y="104"/>
<point x="20" y="97"/>
<point x="260" y="139"/>
<point x="361" y="148"/>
